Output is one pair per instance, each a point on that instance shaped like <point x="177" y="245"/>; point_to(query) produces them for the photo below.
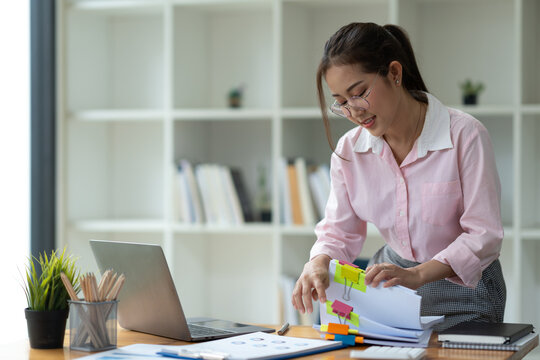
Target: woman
<point x="422" y="173"/>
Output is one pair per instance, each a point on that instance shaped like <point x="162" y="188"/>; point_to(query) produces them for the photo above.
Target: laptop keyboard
<point x="199" y="331"/>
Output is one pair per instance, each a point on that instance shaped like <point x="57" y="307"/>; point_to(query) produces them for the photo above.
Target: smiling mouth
<point x="368" y="121"/>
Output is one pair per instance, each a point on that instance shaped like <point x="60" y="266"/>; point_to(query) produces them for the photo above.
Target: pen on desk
<point x="283" y="329"/>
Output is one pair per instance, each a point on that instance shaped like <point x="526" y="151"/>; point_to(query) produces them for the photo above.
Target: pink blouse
<point x="442" y="202"/>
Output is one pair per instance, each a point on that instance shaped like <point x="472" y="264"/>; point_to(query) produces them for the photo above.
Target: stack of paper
<point x="383" y="316"/>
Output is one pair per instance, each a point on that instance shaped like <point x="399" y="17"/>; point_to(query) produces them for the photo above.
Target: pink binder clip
<point x="343" y="262"/>
<point x="342" y="309"/>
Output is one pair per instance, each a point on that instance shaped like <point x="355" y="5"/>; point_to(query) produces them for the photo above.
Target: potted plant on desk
<point x="47" y="297"/>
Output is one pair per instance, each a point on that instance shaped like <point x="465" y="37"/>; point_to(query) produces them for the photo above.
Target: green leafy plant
<point x="468" y="87"/>
<point x="46" y="292"/>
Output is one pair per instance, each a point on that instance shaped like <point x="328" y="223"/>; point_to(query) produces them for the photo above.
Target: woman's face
<point x="346" y="81"/>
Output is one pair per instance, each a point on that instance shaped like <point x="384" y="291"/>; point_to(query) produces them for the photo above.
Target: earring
<point x="397" y="82"/>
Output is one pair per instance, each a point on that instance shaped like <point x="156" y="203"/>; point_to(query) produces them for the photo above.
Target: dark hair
<point x="373" y="47"/>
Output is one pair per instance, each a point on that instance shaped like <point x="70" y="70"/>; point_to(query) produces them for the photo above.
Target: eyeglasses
<point x="358" y="102"/>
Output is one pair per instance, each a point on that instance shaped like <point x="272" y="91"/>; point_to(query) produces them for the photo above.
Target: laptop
<point x="148" y="301"/>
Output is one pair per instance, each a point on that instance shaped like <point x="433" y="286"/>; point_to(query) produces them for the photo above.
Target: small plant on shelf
<point x="470" y="91"/>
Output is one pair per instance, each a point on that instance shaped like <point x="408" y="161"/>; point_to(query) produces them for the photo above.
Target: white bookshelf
<point x="142" y="83"/>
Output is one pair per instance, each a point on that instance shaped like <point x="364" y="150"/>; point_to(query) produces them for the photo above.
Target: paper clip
<point x="186" y="354"/>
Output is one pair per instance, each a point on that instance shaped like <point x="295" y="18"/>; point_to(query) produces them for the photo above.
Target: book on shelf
<point x="296" y="207"/>
<point x="306" y="202"/>
<point x="203" y="182"/>
<point x="211" y="193"/>
<point x="528" y="341"/>
<point x="243" y="194"/>
<point x="182" y="203"/>
<point x="232" y="196"/>
<point x="193" y="194"/>
<point x="485" y="332"/>
<point x="320" y="188"/>
<point x="219" y="195"/>
<point x="285" y="193"/>
<point x="304" y="191"/>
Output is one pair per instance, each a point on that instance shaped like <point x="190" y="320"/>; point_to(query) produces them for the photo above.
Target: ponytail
<point x="412" y="79"/>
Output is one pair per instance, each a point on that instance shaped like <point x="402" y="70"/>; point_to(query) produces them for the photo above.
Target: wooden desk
<point x="22" y="350"/>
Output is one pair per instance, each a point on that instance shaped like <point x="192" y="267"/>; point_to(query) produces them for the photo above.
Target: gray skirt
<point x="458" y="303"/>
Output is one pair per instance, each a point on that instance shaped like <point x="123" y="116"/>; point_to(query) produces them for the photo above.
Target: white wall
<point x="15" y="165"/>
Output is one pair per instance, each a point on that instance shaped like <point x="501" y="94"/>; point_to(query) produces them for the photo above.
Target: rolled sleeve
<point x="480" y="243"/>
<point x="341" y="234"/>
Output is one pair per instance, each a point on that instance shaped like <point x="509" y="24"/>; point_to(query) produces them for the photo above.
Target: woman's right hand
<point x="312" y="284"/>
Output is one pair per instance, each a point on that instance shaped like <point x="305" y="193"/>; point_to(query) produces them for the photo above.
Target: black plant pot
<point x="470" y="99"/>
<point x="46" y="329"/>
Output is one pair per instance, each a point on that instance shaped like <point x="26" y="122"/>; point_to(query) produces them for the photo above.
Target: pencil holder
<point x="92" y="325"/>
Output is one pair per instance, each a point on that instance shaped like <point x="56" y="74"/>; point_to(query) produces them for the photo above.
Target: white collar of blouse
<point x="435" y="134"/>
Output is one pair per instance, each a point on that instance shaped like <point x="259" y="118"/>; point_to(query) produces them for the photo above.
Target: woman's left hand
<point x="412" y="278"/>
<point x="392" y="275"/>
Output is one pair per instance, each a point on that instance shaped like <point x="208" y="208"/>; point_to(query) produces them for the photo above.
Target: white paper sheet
<point x="257" y="345"/>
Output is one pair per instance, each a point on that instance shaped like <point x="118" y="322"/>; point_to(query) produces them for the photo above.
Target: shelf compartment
<point x="219" y="48"/>
<point x="204" y="271"/>
<point x="464" y="51"/>
<point x="107" y="66"/>
<point x="530" y="191"/>
<point x="114" y="171"/>
<point x="242" y="145"/>
<point x="307" y="25"/>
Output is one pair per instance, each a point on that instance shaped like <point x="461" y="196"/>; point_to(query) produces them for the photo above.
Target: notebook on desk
<point x="149" y="301"/>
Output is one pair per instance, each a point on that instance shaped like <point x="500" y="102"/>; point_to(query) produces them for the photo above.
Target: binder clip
<point x="352" y="273"/>
<point x="342" y="310"/>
